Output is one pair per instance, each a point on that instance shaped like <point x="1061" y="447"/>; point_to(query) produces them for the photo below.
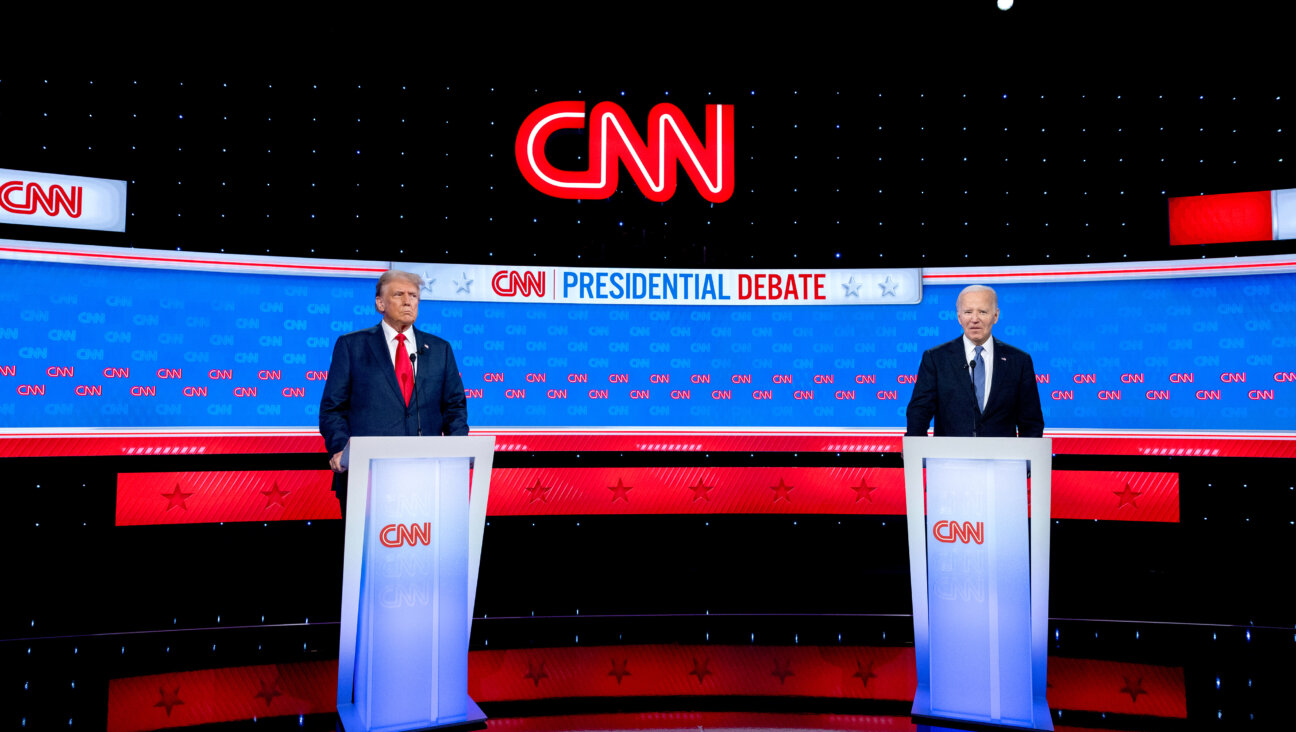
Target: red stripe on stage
<point x="287" y="495"/>
<point x="1115" y="496"/>
<point x="1065" y="442"/>
<point x="1115" y="687"/>
<point x="845" y="672"/>
<point x="190" y="698"/>
<point x="849" y="672"/>
<point x="691" y="721"/>
<point x="233" y="495"/>
<point x="1221" y="218"/>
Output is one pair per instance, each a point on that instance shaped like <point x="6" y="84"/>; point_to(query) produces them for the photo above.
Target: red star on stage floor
<point x="781" y="491"/>
<point x="700" y="670"/>
<point x="863" y="491"/>
<point x="274" y="496"/>
<point x="782" y="669"/>
<point x="169" y="699"/>
<point x="619" y="491"/>
<point x="619" y="669"/>
<point x="537" y="491"/>
<point x="863" y="673"/>
<point x="1127" y="496"/>
<point x="269" y="692"/>
<point x="1133" y="688"/>
<point x="535" y="673"/>
<point x="176" y="498"/>
<point x="700" y="491"/>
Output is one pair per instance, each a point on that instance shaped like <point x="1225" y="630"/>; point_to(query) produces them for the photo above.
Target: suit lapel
<point x="959" y="363"/>
<point x="420" y="375"/>
<point x="378" y="344"/>
<point x="1003" y="364"/>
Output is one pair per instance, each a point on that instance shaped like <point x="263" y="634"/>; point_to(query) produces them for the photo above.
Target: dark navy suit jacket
<point x="944" y="390"/>
<point x="362" y="396"/>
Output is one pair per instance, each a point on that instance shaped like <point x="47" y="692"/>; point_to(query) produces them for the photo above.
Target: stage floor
<point x="707" y="672"/>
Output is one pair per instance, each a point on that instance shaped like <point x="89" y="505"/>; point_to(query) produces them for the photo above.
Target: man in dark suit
<point x="976" y="385"/>
<point x="374" y="387"/>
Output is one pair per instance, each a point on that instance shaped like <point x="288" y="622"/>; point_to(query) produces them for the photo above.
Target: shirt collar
<point x="969" y="348"/>
<point x="390" y="333"/>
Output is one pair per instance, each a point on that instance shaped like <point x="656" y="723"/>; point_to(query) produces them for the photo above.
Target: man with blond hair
<point x="391" y="379"/>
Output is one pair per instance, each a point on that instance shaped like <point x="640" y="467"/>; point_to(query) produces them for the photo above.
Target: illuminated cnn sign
<point x="512" y="282"/>
<point x="394" y="535"/>
<point x="613" y="139"/>
<point x="952" y="531"/>
<point x="43" y="199"/>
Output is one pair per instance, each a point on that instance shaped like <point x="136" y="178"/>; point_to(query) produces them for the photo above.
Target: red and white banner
<point x="1233" y="217"/>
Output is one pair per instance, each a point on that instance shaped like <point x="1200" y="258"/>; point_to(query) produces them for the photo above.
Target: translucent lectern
<point x="409" y="580"/>
<point x="979" y="567"/>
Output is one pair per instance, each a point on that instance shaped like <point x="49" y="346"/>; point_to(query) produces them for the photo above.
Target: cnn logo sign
<point x="33" y="195"/>
<point x="952" y="531"/>
<point x="508" y="283"/>
<point x="613" y="140"/>
<point x="395" y="535"/>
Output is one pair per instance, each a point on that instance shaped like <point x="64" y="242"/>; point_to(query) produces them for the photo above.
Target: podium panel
<point x="978" y="544"/>
<point x="409" y="578"/>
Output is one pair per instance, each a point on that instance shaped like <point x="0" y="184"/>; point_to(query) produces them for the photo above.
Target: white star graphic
<point x="889" y="287"/>
<point x="852" y="287"/>
<point x="428" y="281"/>
<point x="465" y="287"/>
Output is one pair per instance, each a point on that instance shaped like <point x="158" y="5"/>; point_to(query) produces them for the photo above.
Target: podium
<point x="409" y="580"/>
<point x="979" y="567"/>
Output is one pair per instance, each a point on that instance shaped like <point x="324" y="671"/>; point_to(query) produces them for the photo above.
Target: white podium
<point x="979" y="568"/>
<point x="409" y="580"/>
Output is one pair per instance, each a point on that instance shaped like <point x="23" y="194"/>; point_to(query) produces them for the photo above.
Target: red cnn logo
<point x="406" y="534"/>
<point x="951" y="531"/>
<point x="50" y="201"/>
<point x="507" y="283"/>
<point x="613" y="137"/>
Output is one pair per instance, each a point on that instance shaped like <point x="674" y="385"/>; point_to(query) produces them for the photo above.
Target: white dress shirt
<point x="987" y="355"/>
<point x="392" y="343"/>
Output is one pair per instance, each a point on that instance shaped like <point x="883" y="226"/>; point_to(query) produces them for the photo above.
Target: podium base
<point x="925" y="722"/>
<point x="349" y="721"/>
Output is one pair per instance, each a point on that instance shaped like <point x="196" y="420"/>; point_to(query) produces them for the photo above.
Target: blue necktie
<point x="978" y="379"/>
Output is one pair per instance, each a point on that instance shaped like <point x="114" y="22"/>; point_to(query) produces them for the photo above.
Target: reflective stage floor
<point x="641" y="673"/>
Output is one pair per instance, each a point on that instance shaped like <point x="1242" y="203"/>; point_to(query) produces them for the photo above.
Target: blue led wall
<point x="98" y="346"/>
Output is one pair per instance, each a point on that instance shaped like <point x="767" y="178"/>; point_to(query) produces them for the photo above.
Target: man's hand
<point x="335" y="462"/>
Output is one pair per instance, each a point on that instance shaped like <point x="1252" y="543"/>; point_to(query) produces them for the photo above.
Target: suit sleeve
<point x="454" y="407"/>
<point x="922" y="405"/>
<point x="1030" y="417"/>
<point x="335" y="404"/>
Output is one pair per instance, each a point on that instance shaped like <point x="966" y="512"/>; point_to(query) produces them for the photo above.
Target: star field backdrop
<point x="833" y="169"/>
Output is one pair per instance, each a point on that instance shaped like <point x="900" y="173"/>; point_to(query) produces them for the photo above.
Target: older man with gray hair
<point x="976" y="385"/>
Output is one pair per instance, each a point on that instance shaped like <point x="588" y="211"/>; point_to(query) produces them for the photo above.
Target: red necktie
<point x="404" y="371"/>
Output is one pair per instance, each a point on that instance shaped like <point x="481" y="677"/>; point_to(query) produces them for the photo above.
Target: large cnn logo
<point x="952" y="531"/>
<point x="613" y="138"/>
<point x="394" y="535"/>
<point x="24" y="198"/>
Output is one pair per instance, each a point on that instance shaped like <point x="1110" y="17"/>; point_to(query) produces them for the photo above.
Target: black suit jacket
<point x="362" y="397"/>
<point x="944" y="390"/>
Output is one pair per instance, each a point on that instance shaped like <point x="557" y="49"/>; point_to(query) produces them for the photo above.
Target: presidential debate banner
<point x="119" y="338"/>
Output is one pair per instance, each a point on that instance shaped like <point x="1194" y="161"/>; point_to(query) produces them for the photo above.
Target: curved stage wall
<point x="94" y="337"/>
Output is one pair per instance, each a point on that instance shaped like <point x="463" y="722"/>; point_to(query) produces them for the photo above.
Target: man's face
<point x="398" y="304"/>
<point x="977" y="313"/>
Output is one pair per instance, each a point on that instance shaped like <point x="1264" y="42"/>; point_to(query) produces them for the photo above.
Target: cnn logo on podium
<point x="952" y="531"/>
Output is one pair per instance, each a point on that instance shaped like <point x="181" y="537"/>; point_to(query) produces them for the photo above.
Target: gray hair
<point x="396" y="274"/>
<point x="994" y="296"/>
